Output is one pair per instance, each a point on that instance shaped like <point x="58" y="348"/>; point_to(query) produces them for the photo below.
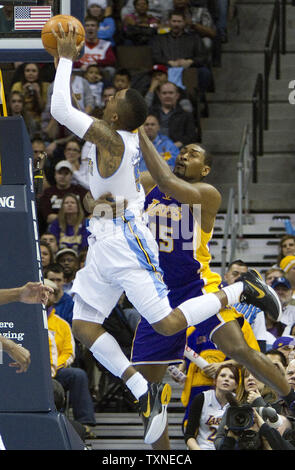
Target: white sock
<point x="108" y="353"/>
<point x="200" y="308"/>
<point x="137" y="385"/>
<point x="233" y="292"/>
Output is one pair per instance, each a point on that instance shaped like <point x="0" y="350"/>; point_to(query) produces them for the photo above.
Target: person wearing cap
<point x="285" y="344"/>
<point x="284" y="290"/>
<point x="107" y="25"/>
<point x="288" y="266"/>
<point x="159" y="75"/>
<point x="69" y="260"/>
<point x="179" y="49"/>
<point x="51" y="199"/>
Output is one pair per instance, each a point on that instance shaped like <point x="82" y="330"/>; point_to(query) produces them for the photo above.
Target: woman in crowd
<point x="34" y="91"/>
<point x="286" y="247"/>
<point x="47" y="256"/>
<point x="70" y="226"/>
<point x="72" y="154"/>
<point x="208" y="408"/>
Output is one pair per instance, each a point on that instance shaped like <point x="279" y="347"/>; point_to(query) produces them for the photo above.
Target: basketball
<point x="48" y="39"/>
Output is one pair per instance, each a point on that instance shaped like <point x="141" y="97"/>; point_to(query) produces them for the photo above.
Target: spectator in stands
<point x="251" y="388"/>
<point x="95" y="79"/>
<point x="284" y="290"/>
<point x="198" y="18"/>
<point x="200" y="378"/>
<point x="69" y="260"/>
<point x="107" y="24"/>
<point x="50" y="239"/>
<point x="96" y="50"/>
<point x="147" y="84"/>
<point x="271" y="274"/>
<point x="290" y="373"/>
<point x="278" y="358"/>
<point x="285" y="344"/>
<point x="54" y="134"/>
<point x="286" y="247"/>
<point x="51" y="199"/>
<point x="140" y="26"/>
<point x="162" y="143"/>
<point x="175" y="123"/>
<point x="179" y="50"/>
<point x="208" y="408"/>
<point x="288" y="265"/>
<point x="156" y="8"/>
<point x="72" y="154"/>
<point x="69" y="227"/>
<point x="253" y="315"/>
<point x="6" y="19"/>
<point x="39" y="152"/>
<point x="16" y="108"/>
<point x="72" y="379"/>
<point x="122" y="79"/>
<point x="63" y="302"/>
<point x="34" y="91"/>
<point x="47" y="256"/>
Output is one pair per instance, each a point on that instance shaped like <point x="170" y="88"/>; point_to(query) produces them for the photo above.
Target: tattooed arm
<point x="109" y="144"/>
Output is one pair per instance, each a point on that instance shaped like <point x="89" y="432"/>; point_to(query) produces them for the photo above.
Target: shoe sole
<point x="159" y="422"/>
<point x="279" y="303"/>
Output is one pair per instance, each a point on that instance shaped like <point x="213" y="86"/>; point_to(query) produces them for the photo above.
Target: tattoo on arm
<point x="109" y="144"/>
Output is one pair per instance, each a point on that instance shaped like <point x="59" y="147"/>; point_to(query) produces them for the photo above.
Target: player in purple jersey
<point x="185" y="274"/>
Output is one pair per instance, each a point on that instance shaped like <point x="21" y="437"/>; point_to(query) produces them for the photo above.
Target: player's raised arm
<point x="84" y="126"/>
<point x="180" y="188"/>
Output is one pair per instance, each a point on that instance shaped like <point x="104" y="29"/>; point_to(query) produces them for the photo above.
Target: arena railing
<point x="272" y="48"/>
<point x="257" y="125"/>
<point x="238" y="203"/>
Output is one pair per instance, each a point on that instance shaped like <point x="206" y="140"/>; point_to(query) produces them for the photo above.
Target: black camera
<point x="239" y="418"/>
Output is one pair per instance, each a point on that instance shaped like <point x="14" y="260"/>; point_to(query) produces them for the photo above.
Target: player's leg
<point x="250" y="289"/>
<point x="155" y="373"/>
<point x="230" y="341"/>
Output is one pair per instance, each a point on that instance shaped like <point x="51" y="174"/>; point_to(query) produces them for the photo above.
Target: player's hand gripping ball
<point x="49" y="40"/>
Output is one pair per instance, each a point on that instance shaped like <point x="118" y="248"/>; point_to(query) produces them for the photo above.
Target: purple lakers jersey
<point x="183" y="246"/>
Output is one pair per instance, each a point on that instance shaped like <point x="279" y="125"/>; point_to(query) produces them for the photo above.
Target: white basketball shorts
<point x="125" y="261"/>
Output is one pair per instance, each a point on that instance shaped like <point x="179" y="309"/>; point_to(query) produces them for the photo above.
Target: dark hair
<point x="123" y="71"/>
<point x="133" y="109"/>
<point x="135" y="2"/>
<point x="53" y="267"/>
<point x="275" y="352"/>
<point x="91" y="18"/>
<point x="178" y="13"/>
<point x="239" y="262"/>
<point x="235" y="370"/>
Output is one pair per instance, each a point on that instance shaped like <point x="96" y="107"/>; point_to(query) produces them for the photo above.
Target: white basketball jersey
<point x="124" y="183"/>
<point x="211" y="415"/>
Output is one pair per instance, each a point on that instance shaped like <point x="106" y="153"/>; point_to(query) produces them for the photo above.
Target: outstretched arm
<point x="81" y="124"/>
<point x="182" y="191"/>
<point x="30" y="293"/>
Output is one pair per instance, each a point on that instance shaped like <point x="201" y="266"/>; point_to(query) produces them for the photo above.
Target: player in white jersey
<point x="123" y="255"/>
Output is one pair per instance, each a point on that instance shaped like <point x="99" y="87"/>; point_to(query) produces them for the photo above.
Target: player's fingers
<point x="79" y="47"/>
<point x="61" y="30"/>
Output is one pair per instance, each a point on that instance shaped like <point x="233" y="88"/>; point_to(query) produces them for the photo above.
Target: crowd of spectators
<point x="181" y="34"/>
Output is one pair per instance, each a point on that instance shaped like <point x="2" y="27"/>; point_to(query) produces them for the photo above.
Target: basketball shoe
<point x="257" y="293"/>
<point x="153" y="408"/>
